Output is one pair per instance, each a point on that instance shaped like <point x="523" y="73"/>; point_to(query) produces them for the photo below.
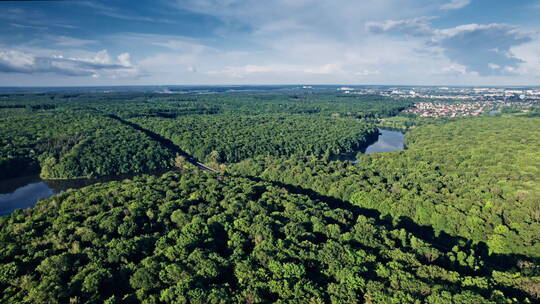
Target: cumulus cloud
<point x="528" y="52"/>
<point x="14" y="61"/>
<point x="477" y="47"/>
<point x="278" y="41"/>
<point x="456" y="4"/>
<point x="337" y="18"/>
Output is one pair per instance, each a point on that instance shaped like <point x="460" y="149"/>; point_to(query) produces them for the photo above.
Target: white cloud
<point x="181" y="45"/>
<point x="295" y="59"/>
<point x="112" y="12"/>
<point x="453" y="69"/>
<point x="25" y="26"/>
<point x="414" y="26"/>
<point x="366" y="72"/>
<point x="65" y="41"/>
<point x="244" y="71"/>
<point x="330" y="68"/>
<point x="529" y="54"/>
<point x="287" y="41"/>
<point x="474" y="46"/>
<point x="101" y="64"/>
<point x="335" y="18"/>
<point x="124" y="59"/>
<point x="456" y="4"/>
<point x="493" y="28"/>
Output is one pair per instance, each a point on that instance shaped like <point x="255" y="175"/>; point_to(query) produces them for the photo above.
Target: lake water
<point x="388" y="141"/>
<point x="24" y="192"/>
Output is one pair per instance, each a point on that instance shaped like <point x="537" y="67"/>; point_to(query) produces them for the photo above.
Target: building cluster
<point x="464" y="109"/>
<point x="438" y="110"/>
<point x="447" y="93"/>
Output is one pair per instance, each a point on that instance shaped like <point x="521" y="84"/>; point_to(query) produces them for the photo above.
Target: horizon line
<point x="269" y="85"/>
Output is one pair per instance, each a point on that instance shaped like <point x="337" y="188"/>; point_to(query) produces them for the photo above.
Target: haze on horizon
<point x="216" y="42"/>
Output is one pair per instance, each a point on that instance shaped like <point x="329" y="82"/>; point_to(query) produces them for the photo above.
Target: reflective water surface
<point x="387" y="141"/>
<point x="24" y="192"/>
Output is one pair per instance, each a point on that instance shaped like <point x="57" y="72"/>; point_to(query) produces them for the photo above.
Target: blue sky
<point x="407" y="42"/>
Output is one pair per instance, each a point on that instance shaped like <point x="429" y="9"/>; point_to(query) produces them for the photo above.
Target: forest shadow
<point x="166" y="143"/>
<point x="439" y="240"/>
<point x="163" y="141"/>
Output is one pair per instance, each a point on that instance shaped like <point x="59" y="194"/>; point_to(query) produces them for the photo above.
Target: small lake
<point x="24" y="192"/>
<point x="387" y="141"/>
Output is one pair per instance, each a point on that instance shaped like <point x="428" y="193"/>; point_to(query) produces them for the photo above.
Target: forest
<point x="193" y="237"/>
<point x="235" y="137"/>
<point x="74" y="144"/>
<point x="476" y="178"/>
<point x="453" y="218"/>
<point x="81" y="134"/>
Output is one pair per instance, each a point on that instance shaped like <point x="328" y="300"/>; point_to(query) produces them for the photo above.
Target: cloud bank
<point x="13" y="61"/>
<point x="275" y="42"/>
<point x="477" y="47"/>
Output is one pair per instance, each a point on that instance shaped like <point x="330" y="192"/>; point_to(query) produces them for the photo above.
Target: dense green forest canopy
<point x="143" y="104"/>
<point x="193" y="237"/>
<point x="75" y="143"/>
<point x="78" y="134"/>
<point x="236" y="137"/>
<point x="475" y="178"/>
<point x="455" y="218"/>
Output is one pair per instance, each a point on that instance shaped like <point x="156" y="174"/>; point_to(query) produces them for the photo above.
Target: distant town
<point x="437" y="102"/>
<point x="447" y="93"/>
<point x="438" y="110"/>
